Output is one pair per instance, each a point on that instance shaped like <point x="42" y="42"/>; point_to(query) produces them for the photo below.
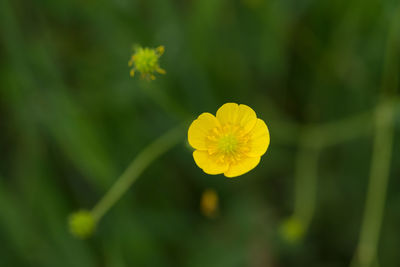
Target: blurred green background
<point x="71" y="120"/>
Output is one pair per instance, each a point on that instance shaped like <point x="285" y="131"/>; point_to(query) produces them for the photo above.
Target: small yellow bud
<point x="292" y="230"/>
<point x="145" y="61"/>
<point x="82" y="224"/>
<point x="209" y="203"/>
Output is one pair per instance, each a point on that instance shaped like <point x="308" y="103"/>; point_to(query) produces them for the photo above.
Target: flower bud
<point x="209" y="203"/>
<point x="82" y="224"/>
<point x="292" y="230"/>
<point x="145" y="61"/>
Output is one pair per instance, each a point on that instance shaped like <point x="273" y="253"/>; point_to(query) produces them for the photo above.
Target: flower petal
<point x="247" y="118"/>
<point x="228" y="113"/>
<point x="259" y="139"/>
<point x="200" y="128"/>
<point x="240" y="115"/>
<point x="208" y="163"/>
<point x="241" y="167"/>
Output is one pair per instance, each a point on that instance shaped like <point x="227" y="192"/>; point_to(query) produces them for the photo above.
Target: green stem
<point x="376" y="196"/>
<point x="137" y="166"/>
<point x="343" y="130"/>
<point x="306" y="179"/>
<point x="366" y="252"/>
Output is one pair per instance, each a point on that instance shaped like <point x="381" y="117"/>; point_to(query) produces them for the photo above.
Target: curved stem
<point x="137" y="166"/>
<point x="366" y="252"/>
<point x="376" y="196"/>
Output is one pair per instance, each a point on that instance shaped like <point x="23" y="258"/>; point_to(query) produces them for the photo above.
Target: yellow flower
<point x="145" y="60"/>
<point x="231" y="143"/>
<point x="209" y="203"/>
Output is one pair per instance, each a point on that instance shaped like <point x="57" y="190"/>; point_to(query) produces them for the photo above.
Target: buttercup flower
<point x="145" y="60"/>
<point x="232" y="142"/>
<point x="209" y="203"/>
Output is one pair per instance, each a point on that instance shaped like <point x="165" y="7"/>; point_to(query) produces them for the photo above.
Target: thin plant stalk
<point x="366" y="252"/>
<point x="306" y="180"/>
<point x="135" y="169"/>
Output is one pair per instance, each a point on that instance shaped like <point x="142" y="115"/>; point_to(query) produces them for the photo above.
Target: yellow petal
<point x="208" y="163"/>
<point x="200" y="128"/>
<point x="227" y="113"/>
<point x="258" y="139"/>
<point x="241" y="167"/>
<point x="247" y="118"/>
<point x="240" y="115"/>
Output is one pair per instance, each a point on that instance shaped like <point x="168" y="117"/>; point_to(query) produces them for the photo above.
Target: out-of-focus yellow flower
<point x="292" y="230"/>
<point x="145" y="61"/>
<point x="209" y="203"/>
<point x="232" y="142"/>
<point x="82" y="224"/>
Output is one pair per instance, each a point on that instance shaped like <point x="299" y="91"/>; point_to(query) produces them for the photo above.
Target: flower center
<point x="228" y="143"/>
